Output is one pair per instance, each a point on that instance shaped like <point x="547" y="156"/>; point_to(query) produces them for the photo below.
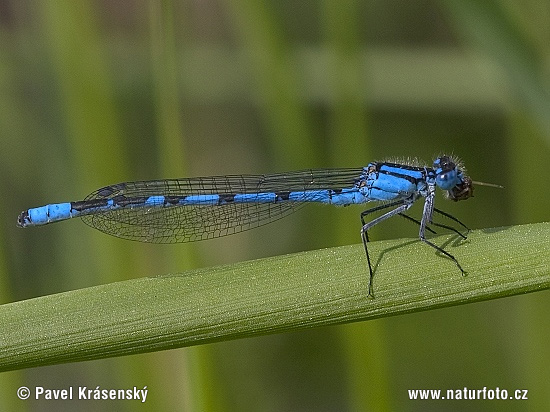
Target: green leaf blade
<point x="277" y="294"/>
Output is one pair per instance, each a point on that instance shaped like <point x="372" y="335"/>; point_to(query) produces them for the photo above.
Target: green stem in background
<point x="278" y="294"/>
<point x="493" y="28"/>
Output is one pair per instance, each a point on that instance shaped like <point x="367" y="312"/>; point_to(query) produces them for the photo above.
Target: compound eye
<point x="444" y="163"/>
<point x="447" y="180"/>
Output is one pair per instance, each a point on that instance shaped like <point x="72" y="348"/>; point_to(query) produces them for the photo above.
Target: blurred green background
<point x="97" y="92"/>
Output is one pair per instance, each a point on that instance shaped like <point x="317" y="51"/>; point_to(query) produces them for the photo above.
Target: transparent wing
<point x="189" y="223"/>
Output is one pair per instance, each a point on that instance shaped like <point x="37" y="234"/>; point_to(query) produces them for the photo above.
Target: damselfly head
<point x="451" y="176"/>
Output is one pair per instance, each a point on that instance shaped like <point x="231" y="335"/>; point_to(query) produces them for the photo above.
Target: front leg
<point x="427" y="218"/>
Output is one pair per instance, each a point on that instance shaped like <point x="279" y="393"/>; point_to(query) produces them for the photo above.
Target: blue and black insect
<point x="192" y="209"/>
